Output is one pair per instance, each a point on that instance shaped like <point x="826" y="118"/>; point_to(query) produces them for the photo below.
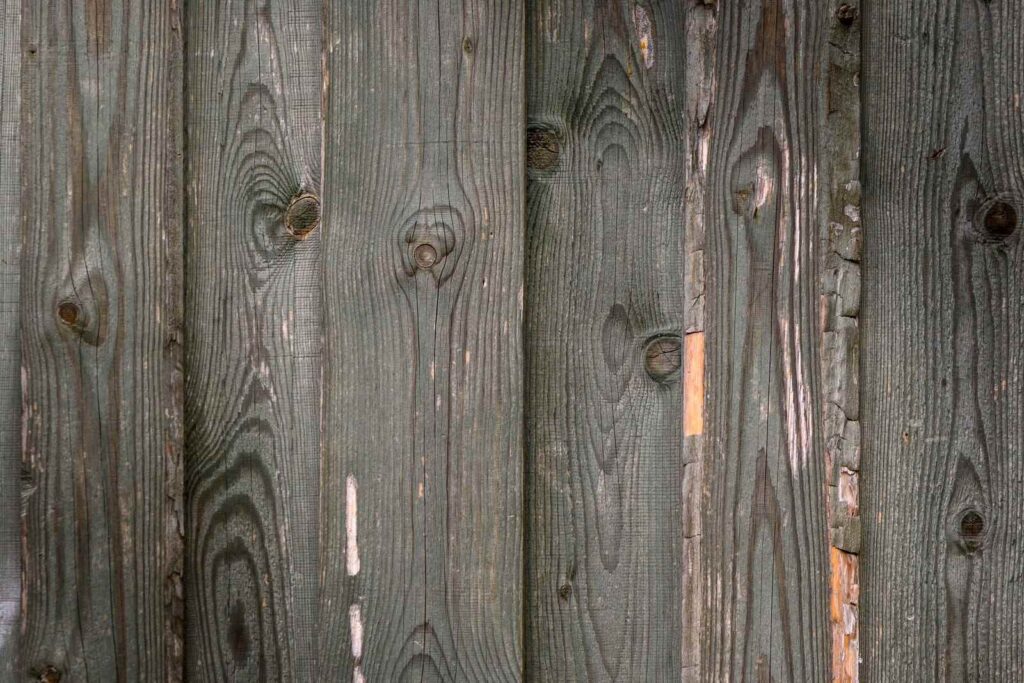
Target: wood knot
<point x="70" y="314"/>
<point x="467" y="46"/>
<point x="846" y="14"/>
<point x="565" y="591"/>
<point x="49" y="674"/>
<point x="542" y="149"/>
<point x="1000" y="220"/>
<point x="303" y="215"/>
<point x="663" y="358"/>
<point x="425" y="256"/>
<point x="970" y="530"/>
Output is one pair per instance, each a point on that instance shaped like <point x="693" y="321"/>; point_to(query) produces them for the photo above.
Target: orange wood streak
<point x="693" y="384"/>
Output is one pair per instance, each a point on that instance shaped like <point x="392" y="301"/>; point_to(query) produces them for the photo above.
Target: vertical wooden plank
<point x="943" y="321"/>
<point x="423" y="243"/>
<point x="101" y="312"/>
<point x="254" y="83"/>
<point x="10" y="357"/>
<point x="604" y="317"/>
<point x="764" y="527"/>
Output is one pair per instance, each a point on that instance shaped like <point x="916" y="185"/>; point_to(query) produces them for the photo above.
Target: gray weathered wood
<point x="605" y="227"/>
<point x="101" y="300"/>
<point x="944" y="357"/>
<point x="764" y="527"/>
<point x="10" y="357"/>
<point x="254" y="84"/>
<point x="423" y="244"/>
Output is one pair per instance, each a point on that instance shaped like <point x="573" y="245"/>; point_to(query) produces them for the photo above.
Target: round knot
<point x="1000" y="220"/>
<point x="303" y="215"/>
<point x="542" y="149"/>
<point x="69" y="313"/>
<point x="425" y="256"/>
<point x="663" y="358"/>
<point x="846" y="14"/>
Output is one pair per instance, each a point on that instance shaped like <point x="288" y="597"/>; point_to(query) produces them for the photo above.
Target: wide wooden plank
<point x="254" y="84"/>
<point x="10" y="358"/>
<point x="423" y="244"/>
<point x="101" y="146"/>
<point x="765" y="524"/>
<point x="944" y="361"/>
<point x="604" y="317"/>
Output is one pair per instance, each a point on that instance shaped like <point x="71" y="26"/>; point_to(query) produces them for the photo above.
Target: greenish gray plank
<point x="944" y="361"/>
<point x="101" y="147"/>
<point x="764" y="543"/>
<point x="10" y="357"/>
<point x="423" y="260"/>
<point x="604" y="317"/>
<point x="254" y="84"/>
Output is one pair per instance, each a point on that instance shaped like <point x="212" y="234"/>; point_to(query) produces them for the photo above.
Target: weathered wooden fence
<point x="498" y="340"/>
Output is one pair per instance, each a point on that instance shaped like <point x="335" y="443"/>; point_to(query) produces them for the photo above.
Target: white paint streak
<point x="645" y="34"/>
<point x="355" y="627"/>
<point x="351" y="512"/>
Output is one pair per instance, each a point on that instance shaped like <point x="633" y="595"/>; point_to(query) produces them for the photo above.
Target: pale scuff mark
<point x="355" y="627"/>
<point x="645" y="33"/>
<point x="351" y="512"/>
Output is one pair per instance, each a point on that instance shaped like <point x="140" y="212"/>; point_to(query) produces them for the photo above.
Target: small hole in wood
<point x="303" y="215"/>
<point x="663" y="358"/>
<point x="68" y="312"/>
<point x="972" y="526"/>
<point x="425" y="256"/>
<point x="1000" y="220"/>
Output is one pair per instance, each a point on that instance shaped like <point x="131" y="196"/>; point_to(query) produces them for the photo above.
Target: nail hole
<point x="1000" y="220"/>
<point x="542" y="149"/>
<point x="68" y="312"/>
<point x="303" y="215"/>
<point x="425" y="256"/>
<point x="663" y="358"/>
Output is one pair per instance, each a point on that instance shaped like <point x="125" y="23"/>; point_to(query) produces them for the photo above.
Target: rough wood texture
<point x="10" y="356"/>
<point x="605" y="310"/>
<point x="943" y="323"/>
<point x="254" y="83"/>
<point x="840" y="359"/>
<point x="101" y="338"/>
<point x="764" y="542"/>
<point x="423" y="235"/>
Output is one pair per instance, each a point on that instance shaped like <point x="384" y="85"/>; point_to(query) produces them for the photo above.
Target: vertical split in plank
<point x="944" y="358"/>
<point x="605" y="311"/>
<point x="764" y="527"/>
<point x="10" y="357"/>
<point x="101" y="210"/>
<point x="254" y="84"/>
<point x="423" y="260"/>
<point x="840" y="356"/>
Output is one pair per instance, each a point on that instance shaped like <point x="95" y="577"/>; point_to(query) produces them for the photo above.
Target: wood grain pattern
<point x="604" y="278"/>
<point x="423" y="260"/>
<point x="101" y="146"/>
<point x="943" y="323"/>
<point x="764" y="542"/>
<point x="254" y="83"/>
<point x="10" y="354"/>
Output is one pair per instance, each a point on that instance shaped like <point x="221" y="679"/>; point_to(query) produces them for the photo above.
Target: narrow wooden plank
<point x="423" y="243"/>
<point x="101" y="147"/>
<point x="10" y="355"/>
<point x="764" y="527"/>
<point x="944" y="361"/>
<point x="604" y="317"/>
<point x="254" y="83"/>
